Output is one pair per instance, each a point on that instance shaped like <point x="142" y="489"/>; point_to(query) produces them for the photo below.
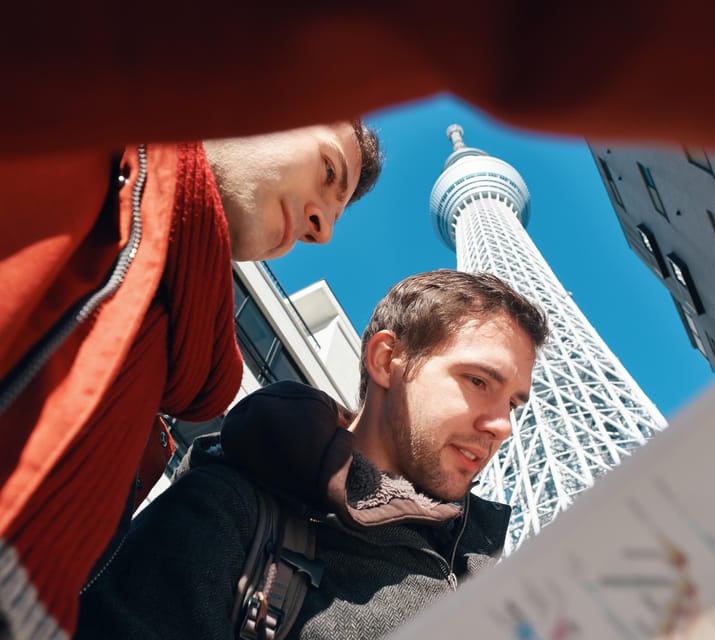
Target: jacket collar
<point x="284" y="437"/>
<point x="370" y="497"/>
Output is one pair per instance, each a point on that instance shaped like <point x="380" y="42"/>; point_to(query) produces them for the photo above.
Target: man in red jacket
<point x="89" y="77"/>
<point x="117" y="304"/>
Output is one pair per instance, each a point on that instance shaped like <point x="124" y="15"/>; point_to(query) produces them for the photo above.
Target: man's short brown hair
<point x="424" y="310"/>
<point x="371" y="159"/>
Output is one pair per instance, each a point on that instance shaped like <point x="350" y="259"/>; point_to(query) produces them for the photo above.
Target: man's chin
<point x="252" y="254"/>
<point x="451" y="494"/>
<point x="457" y="497"/>
<point x="279" y="252"/>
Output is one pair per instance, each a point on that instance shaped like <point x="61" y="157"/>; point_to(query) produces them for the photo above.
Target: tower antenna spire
<point x="455" y="133"/>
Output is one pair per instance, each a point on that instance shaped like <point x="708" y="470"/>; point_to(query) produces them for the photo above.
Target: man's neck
<point x="371" y="439"/>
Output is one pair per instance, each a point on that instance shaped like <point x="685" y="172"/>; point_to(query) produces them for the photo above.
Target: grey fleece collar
<point x="367" y="487"/>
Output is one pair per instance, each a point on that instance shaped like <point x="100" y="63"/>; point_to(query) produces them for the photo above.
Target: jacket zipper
<point x="448" y="567"/>
<point x="451" y="578"/>
<point x="99" y="573"/>
<point x="30" y="365"/>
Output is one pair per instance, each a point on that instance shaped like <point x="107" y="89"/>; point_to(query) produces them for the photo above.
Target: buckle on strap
<point x="262" y="620"/>
<point x="312" y="569"/>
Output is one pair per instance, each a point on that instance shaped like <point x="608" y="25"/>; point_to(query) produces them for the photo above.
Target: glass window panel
<point x="646" y="240"/>
<point x="694" y="332"/>
<point x="677" y="272"/>
<point x="682" y="275"/>
<point x="256" y="328"/>
<point x="654" y="258"/>
<point x="647" y="176"/>
<point x="652" y="190"/>
<point x="611" y="182"/>
<point x="240" y="295"/>
<point x="284" y="368"/>
<point x="699" y="158"/>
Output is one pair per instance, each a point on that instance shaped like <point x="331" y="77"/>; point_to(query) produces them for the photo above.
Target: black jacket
<point x="388" y="550"/>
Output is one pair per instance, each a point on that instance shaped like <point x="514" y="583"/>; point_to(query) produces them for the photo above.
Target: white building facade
<point x="586" y="412"/>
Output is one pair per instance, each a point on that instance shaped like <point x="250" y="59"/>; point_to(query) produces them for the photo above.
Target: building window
<point x="652" y="190"/>
<point x="283" y="366"/>
<point x="654" y="257"/>
<point x="611" y="182"/>
<point x="240" y="296"/>
<point x="699" y="158"/>
<point x="263" y="352"/>
<point x="711" y="217"/>
<point x="682" y="276"/>
<point x="678" y="272"/>
<point x="693" y="333"/>
<point x="646" y="241"/>
<point x="711" y="342"/>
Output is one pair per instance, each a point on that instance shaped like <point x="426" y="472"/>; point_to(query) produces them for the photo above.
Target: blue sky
<point x="388" y="235"/>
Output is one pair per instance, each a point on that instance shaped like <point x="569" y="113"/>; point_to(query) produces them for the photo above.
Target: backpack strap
<point x="279" y="568"/>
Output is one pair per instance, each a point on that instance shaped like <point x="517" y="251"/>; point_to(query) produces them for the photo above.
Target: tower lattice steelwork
<point x="585" y="411"/>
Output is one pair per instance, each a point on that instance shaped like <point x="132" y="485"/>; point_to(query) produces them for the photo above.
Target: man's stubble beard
<point x="419" y="455"/>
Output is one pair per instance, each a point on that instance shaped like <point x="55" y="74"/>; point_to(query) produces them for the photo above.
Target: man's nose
<point x="498" y="424"/>
<point x="319" y="225"/>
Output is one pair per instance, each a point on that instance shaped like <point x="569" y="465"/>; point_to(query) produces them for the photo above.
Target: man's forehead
<point x="481" y="327"/>
<point x="344" y="126"/>
<point x="497" y="323"/>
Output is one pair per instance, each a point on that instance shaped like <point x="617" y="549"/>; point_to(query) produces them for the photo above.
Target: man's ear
<point x="381" y="350"/>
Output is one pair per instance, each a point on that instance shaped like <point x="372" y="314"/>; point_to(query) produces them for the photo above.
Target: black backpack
<point x="280" y="567"/>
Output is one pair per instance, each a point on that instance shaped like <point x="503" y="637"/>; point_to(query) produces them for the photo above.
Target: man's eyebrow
<point x="496" y="375"/>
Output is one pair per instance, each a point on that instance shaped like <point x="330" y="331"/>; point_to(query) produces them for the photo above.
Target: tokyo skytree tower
<point x="586" y="412"/>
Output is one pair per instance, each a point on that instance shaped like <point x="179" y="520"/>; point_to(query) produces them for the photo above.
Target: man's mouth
<point x="472" y="459"/>
<point x="467" y="454"/>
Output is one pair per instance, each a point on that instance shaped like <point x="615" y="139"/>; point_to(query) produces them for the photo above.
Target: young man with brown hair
<point x="446" y="358"/>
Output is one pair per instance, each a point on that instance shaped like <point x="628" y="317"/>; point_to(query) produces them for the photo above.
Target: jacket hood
<point x="285" y="438"/>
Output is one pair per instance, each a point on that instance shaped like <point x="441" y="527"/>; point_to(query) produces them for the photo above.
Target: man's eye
<point x="329" y="172"/>
<point x="477" y="381"/>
